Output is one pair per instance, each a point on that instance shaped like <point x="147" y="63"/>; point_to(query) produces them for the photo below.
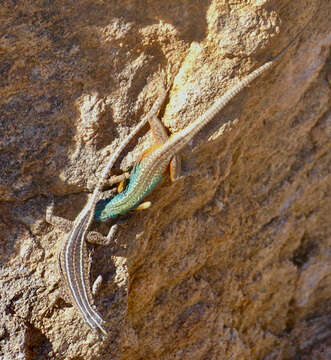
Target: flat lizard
<point x="73" y="262"/>
<point x="153" y="163"/>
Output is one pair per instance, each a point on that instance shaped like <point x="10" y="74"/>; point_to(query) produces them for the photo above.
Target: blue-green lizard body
<point x="125" y="201"/>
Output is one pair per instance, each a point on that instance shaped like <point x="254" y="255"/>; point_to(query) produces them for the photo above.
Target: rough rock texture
<point x="231" y="262"/>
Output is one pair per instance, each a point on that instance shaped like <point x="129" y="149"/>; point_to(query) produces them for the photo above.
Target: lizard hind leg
<point x="97" y="285"/>
<point x="175" y="168"/>
<point x="143" y="206"/>
<point x="97" y="238"/>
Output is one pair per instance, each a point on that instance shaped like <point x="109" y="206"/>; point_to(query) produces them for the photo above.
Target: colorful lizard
<point x="153" y="163"/>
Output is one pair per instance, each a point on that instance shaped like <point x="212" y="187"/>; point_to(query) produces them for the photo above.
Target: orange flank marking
<point x="171" y="172"/>
<point x="148" y="151"/>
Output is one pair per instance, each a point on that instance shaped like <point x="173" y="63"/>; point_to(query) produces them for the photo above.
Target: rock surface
<point x="232" y="261"/>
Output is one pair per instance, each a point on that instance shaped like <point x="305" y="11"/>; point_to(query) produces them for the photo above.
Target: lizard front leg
<point x="64" y="224"/>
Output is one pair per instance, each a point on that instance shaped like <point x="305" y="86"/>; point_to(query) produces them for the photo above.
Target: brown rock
<point x="231" y="262"/>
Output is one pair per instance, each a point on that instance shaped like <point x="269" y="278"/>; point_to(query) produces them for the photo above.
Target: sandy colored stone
<point x="232" y="261"/>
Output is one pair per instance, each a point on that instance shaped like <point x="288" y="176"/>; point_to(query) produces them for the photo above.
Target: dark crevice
<point x="307" y="249"/>
<point x="38" y="346"/>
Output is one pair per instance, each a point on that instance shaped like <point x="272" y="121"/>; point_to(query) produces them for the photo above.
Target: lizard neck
<point x="139" y="187"/>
